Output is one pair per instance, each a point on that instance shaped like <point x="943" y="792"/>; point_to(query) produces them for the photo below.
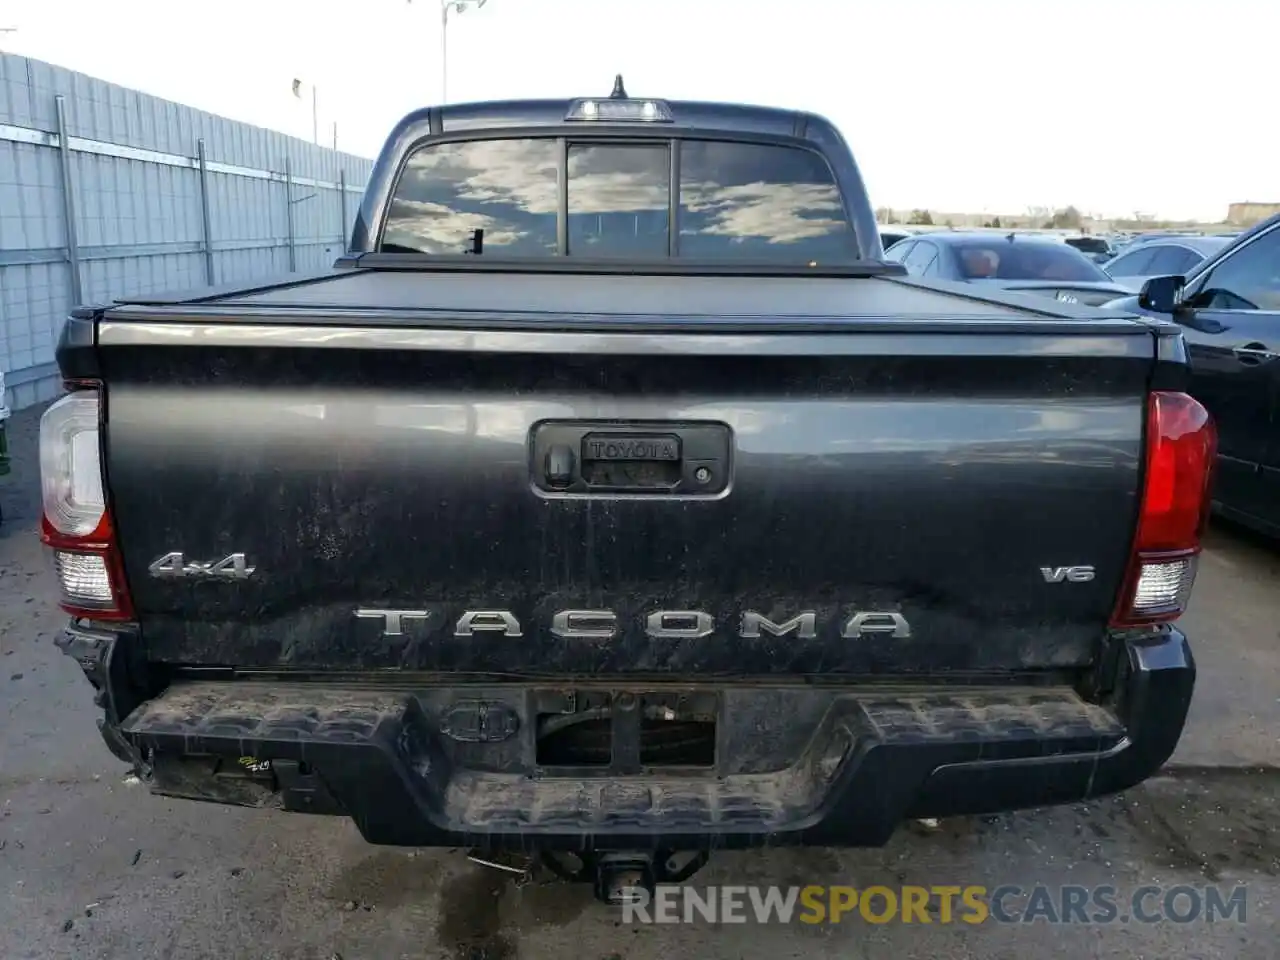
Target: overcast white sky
<point x="985" y="105"/>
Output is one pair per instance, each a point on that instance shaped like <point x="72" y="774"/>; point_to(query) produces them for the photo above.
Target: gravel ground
<point x="92" y="866"/>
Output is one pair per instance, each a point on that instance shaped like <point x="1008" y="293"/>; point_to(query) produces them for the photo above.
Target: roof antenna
<point x="619" y="91"/>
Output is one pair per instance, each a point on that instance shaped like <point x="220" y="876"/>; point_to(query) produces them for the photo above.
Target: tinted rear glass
<point x="760" y="202"/>
<point x="1172" y="261"/>
<point x="1005" y="260"/>
<point x="1133" y="264"/>
<point x="736" y="201"/>
<point x="505" y="189"/>
<point x="619" y="200"/>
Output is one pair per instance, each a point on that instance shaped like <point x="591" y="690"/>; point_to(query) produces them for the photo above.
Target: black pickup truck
<point x="613" y="496"/>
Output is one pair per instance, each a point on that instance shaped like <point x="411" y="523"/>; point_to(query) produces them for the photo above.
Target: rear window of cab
<point x="733" y="200"/>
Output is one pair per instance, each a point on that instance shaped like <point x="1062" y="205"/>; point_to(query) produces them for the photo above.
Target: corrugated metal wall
<point x="138" y="196"/>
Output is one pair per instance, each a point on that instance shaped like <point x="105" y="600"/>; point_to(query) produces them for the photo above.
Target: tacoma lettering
<point x="805" y="625"/>
<point x="584" y="624"/>
<point x="393" y="620"/>
<point x="588" y="624"/>
<point x="489" y="621"/>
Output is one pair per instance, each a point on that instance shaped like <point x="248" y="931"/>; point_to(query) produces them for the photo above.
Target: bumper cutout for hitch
<point x="625" y="732"/>
<point x="575" y="740"/>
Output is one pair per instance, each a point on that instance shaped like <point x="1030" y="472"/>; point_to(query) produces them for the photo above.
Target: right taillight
<point x="1180" y="451"/>
<point x="77" y="524"/>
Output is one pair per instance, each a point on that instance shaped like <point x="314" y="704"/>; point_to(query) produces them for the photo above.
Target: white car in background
<point x="1173" y="256"/>
<point x="891" y="235"/>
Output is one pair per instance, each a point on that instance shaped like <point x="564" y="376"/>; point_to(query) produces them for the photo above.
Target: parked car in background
<point x="1175" y="256"/>
<point x="891" y="235"/>
<point x="1153" y="236"/>
<point x="1097" y="249"/>
<point x="1229" y="312"/>
<point x="1133" y="242"/>
<point x="1026" y="262"/>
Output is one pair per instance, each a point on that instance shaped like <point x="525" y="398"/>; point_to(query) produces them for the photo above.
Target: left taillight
<point x="77" y="524"/>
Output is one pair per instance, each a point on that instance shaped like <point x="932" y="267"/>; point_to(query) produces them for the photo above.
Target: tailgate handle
<point x="626" y="461"/>
<point x="624" y="448"/>
<point x="650" y="459"/>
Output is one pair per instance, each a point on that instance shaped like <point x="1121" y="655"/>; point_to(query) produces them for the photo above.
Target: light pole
<point x="315" y="116"/>
<point x="457" y="6"/>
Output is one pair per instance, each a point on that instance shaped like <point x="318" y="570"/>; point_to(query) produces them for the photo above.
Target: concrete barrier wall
<point x="159" y="196"/>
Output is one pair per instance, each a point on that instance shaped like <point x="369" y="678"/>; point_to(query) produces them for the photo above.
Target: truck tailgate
<point x="880" y="497"/>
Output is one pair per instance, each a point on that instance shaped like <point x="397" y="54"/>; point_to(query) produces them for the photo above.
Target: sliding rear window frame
<point x="566" y="136"/>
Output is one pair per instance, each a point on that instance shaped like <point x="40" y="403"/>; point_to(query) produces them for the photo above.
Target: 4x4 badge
<point x="175" y="566"/>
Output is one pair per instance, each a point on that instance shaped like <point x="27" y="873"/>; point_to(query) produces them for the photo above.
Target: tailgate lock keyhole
<point x="560" y="466"/>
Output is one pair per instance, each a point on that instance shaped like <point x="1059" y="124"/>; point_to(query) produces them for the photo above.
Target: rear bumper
<point x="871" y="758"/>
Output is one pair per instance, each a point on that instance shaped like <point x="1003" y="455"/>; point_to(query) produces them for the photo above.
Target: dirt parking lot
<point x="92" y="866"/>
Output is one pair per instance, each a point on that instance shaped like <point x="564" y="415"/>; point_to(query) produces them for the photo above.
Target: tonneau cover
<point x="564" y="293"/>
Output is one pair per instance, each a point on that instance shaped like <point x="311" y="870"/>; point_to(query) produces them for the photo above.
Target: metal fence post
<point x="342" y="206"/>
<point x="68" y="202"/>
<point x="209" y="276"/>
<point x="288" y="194"/>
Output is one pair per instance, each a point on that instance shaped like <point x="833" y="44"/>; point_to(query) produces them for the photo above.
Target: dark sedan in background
<point x="1173" y="256"/>
<point x="1097" y="249"/>
<point x="1026" y="262"/>
<point x="1229" y="311"/>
